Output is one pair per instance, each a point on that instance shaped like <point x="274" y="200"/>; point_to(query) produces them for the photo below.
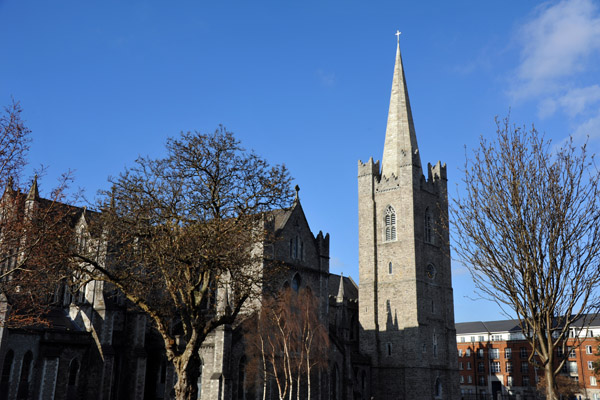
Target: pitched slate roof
<point x="350" y="287"/>
<point x="512" y="325"/>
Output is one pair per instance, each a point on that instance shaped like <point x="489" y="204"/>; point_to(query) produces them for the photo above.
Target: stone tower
<point x="406" y="307"/>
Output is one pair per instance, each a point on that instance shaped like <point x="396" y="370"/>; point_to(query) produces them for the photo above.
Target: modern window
<point x="390" y="224"/>
<point x="496" y="338"/>
<point x="495" y="353"/>
<point x="462" y="339"/>
<point x="523" y="352"/>
<point x="496" y="366"/>
<point x="573" y="367"/>
<point x="482" y="338"/>
<point x="472" y="338"/>
<point x="508" y="352"/>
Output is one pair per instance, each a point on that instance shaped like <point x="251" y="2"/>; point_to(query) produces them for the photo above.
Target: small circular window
<point x="430" y="270"/>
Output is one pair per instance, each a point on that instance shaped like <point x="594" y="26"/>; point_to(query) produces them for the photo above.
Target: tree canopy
<point x="528" y="229"/>
<point x="182" y="238"/>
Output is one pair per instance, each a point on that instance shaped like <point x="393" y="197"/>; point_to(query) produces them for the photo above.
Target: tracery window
<point x="390" y="224"/>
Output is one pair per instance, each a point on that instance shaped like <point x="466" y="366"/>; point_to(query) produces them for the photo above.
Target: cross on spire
<point x="398" y="33"/>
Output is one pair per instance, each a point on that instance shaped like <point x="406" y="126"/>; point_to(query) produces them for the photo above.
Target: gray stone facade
<point x="406" y="304"/>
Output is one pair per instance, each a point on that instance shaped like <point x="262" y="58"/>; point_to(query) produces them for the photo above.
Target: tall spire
<point x="401" y="147"/>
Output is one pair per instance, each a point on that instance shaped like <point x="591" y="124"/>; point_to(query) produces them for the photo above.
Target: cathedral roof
<point x="349" y="288"/>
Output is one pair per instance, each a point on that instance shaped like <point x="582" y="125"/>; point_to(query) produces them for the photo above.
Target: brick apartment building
<point x="493" y="357"/>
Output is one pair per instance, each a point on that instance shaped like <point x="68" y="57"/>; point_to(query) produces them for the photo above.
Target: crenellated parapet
<point x="370" y="168"/>
<point x="437" y="179"/>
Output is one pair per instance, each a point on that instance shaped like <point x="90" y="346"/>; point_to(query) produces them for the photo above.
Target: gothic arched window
<point x="241" y="392"/>
<point x="296" y="281"/>
<point x="438" y="388"/>
<point x="5" y="377"/>
<point x="390" y="224"/>
<point x="23" y="391"/>
<point x="73" y="372"/>
<point x="334" y="382"/>
<point x="428" y="236"/>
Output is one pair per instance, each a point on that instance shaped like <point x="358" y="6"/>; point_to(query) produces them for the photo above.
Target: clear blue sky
<point x="302" y="83"/>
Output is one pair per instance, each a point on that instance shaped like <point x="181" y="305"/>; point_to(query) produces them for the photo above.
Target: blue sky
<point x="302" y="83"/>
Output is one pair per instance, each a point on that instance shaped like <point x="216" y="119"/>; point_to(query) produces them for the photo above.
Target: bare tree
<point x="182" y="238"/>
<point x="287" y="342"/>
<point x="29" y="228"/>
<point x="528" y="229"/>
<point x="14" y="144"/>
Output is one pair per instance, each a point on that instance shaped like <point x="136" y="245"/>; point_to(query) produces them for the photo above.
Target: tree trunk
<point x="187" y="368"/>
<point x="550" y="382"/>
<point x="307" y="376"/>
<point x="264" y="365"/>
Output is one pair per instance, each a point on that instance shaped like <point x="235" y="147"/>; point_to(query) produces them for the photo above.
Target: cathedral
<point x="391" y="336"/>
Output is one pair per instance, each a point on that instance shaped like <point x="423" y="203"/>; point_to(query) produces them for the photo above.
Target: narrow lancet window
<point x="428" y="227"/>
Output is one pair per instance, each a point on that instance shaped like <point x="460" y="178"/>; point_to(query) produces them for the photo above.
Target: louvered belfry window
<point x="390" y="224"/>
